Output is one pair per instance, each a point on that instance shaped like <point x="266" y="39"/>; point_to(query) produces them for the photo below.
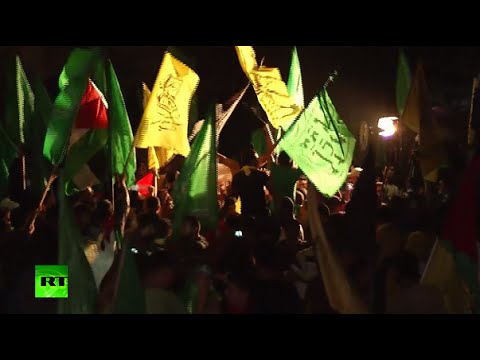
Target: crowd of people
<point x="259" y="259"/>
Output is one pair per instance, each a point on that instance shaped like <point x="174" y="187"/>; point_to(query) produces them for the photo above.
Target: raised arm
<point x="233" y="165"/>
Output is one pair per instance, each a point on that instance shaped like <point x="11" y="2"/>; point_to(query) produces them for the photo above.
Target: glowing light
<point x="388" y="125"/>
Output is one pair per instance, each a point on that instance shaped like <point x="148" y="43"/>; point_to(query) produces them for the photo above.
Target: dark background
<point x="363" y="91"/>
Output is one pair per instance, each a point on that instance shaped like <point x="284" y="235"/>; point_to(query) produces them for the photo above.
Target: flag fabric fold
<point x="130" y="297"/>
<point x="341" y="295"/>
<point x="295" y="82"/>
<point x="157" y="156"/>
<point x="271" y="90"/>
<point x="418" y="117"/>
<point x="82" y="291"/>
<point x="165" y="119"/>
<point x="321" y="145"/>
<point x="39" y="167"/>
<point x="195" y="191"/>
<point x="73" y="83"/>
<point x="20" y="106"/>
<point x="122" y="152"/>
<point x="8" y="153"/>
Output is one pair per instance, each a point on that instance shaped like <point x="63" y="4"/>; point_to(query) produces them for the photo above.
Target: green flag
<point x="82" y="291"/>
<point x="321" y="145"/>
<point x="8" y="153"/>
<point x="259" y="142"/>
<point x="295" y="89"/>
<point x="39" y="167"/>
<point x="72" y="83"/>
<point x="404" y="81"/>
<point x="295" y="83"/>
<point x="131" y="295"/>
<point x="195" y="191"/>
<point x="19" y="106"/>
<point x="121" y="136"/>
<point x="86" y="164"/>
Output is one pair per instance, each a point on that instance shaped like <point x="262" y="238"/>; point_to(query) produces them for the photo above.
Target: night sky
<point x="363" y="91"/>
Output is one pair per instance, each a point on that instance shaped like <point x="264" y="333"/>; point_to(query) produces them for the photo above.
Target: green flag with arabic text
<point x="321" y="145"/>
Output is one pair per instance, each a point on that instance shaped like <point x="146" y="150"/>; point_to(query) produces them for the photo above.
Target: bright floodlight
<point x="388" y="125"/>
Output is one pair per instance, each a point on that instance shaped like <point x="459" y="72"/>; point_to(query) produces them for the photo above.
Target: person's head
<point x="158" y="271"/>
<point x="287" y="208"/>
<point x="87" y="196"/>
<point x="302" y="184"/>
<point x="405" y="269"/>
<point x="6" y="224"/>
<point x="229" y="207"/>
<point x="153" y="205"/>
<point x="83" y="215"/>
<point x="249" y="157"/>
<point x="142" y="169"/>
<point x="443" y="187"/>
<point x="284" y="159"/>
<point x="237" y="292"/>
<point x="103" y="211"/>
<point x="390" y="173"/>
<point x="190" y="227"/>
<point x="170" y="178"/>
<point x="166" y="202"/>
<point x="265" y="255"/>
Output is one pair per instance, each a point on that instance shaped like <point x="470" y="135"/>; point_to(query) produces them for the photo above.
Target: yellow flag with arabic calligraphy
<point x="247" y="58"/>
<point x="271" y="90"/>
<point x="157" y="156"/>
<point x="165" y="119"/>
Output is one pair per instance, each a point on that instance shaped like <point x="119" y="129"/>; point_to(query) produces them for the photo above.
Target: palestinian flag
<point x="453" y="264"/>
<point x="143" y="185"/>
<point x="86" y="162"/>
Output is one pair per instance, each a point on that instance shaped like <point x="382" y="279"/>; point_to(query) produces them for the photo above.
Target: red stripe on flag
<point x="461" y="228"/>
<point x="93" y="110"/>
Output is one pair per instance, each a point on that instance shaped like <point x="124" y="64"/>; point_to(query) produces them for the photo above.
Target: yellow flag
<point x="341" y="295"/>
<point x="165" y="119"/>
<point x="418" y="117"/>
<point x="271" y="90"/>
<point x="247" y="58"/>
<point x="157" y="157"/>
<point x="146" y="95"/>
<point x="442" y="273"/>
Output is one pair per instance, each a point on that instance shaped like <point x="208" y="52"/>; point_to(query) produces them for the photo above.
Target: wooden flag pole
<point x="53" y="176"/>
<point x="24" y="173"/>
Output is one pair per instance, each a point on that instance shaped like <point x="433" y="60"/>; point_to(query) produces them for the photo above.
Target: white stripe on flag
<point x="85" y="178"/>
<point x="76" y="135"/>
<point x="221" y="117"/>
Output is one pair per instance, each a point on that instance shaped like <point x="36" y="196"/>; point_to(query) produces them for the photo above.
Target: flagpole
<point x="121" y="264"/>
<point x="24" y="173"/>
<point x="51" y="179"/>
